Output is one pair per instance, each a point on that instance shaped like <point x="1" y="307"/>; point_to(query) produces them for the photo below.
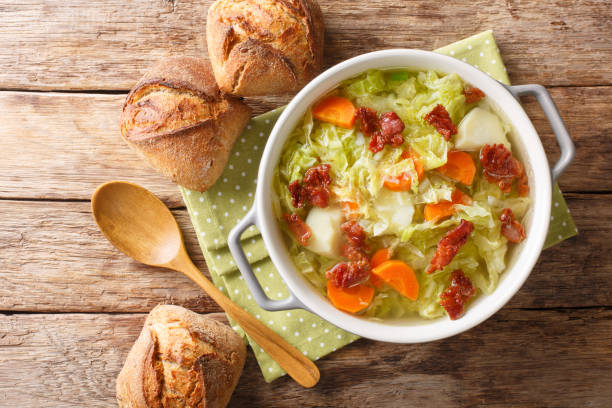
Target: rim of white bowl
<point x="512" y="278"/>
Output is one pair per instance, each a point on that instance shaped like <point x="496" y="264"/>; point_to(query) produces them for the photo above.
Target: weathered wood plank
<point x="107" y="45"/>
<point x="61" y="146"/>
<point x="53" y="259"/>
<point x="76" y="355"/>
<point x="553" y="358"/>
<point x="572" y="268"/>
<point x="581" y="110"/>
<point x="516" y="359"/>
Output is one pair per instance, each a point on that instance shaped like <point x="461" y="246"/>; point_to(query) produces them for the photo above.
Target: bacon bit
<point x="314" y="189"/>
<point x="390" y="132"/>
<point x="348" y="274"/>
<point x="352" y="253"/>
<point x="384" y="130"/>
<point x="457" y="294"/>
<point x="379" y="140"/>
<point x="300" y="230"/>
<point x="368" y="121"/>
<point x="473" y="94"/>
<point x="316" y="181"/>
<point x="440" y="119"/>
<point x="299" y="195"/>
<point x="523" y="185"/>
<point x="499" y="166"/>
<point x="355" y="246"/>
<point x="391" y="124"/>
<point x="450" y="245"/>
<point x="511" y="228"/>
<point x="355" y="235"/>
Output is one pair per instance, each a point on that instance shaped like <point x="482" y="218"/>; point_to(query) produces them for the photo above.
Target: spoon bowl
<point x="138" y="224"/>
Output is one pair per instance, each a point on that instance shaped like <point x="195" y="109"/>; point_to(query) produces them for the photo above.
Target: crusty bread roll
<point x="264" y="47"/>
<point x="181" y="359"/>
<point x="179" y="121"/>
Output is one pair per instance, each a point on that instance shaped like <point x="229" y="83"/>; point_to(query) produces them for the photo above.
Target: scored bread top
<point x="176" y="94"/>
<point x="260" y="47"/>
<point x="181" y="359"/>
<point x="179" y="121"/>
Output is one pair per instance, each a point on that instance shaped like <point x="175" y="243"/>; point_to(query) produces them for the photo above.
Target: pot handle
<point x="568" y="150"/>
<point x="261" y="298"/>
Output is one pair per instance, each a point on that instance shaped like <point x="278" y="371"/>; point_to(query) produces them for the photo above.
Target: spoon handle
<point x="299" y="367"/>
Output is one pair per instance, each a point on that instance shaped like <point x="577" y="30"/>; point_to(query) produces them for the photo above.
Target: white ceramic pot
<point x="520" y="260"/>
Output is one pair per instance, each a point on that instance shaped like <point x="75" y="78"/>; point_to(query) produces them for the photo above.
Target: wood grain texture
<point x="57" y="147"/>
<point x="58" y="144"/>
<point x="54" y="257"/>
<point x="108" y="45"/>
<point x="517" y="358"/>
<point x="69" y="360"/>
<point x="571" y="269"/>
<point x="62" y="146"/>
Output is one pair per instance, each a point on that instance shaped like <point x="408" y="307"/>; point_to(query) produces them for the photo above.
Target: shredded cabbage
<point x="395" y="219"/>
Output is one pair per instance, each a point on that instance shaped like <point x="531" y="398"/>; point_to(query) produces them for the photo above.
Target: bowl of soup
<point x="403" y="196"/>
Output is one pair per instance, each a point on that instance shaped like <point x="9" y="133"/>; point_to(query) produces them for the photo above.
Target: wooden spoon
<point x="138" y="224"/>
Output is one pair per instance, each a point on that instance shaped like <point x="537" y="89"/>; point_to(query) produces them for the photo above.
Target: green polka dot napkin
<point x="215" y="212"/>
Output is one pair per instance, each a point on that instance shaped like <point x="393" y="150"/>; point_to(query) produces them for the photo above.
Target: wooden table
<point x="72" y="305"/>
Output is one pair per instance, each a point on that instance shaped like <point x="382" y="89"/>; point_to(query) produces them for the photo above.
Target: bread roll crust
<point x="181" y="359"/>
<point x="263" y="47"/>
<point x="179" y="121"/>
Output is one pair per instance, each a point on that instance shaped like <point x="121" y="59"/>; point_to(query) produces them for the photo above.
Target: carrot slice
<point x="351" y="210"/>
<point x="418" y="163"/>
<point x="337" y="110"/>
<point x="459" y="197"/>
<point x="403" y="182"/>
<point x="379" y="257"/>
<point x="376" y="281"/>
<point x="400" y="276"/>
<point x="459" y="166"/>
<point x="353" y="299"/>
<point x="439" y="210"/>
<point x="444" y="209"/>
